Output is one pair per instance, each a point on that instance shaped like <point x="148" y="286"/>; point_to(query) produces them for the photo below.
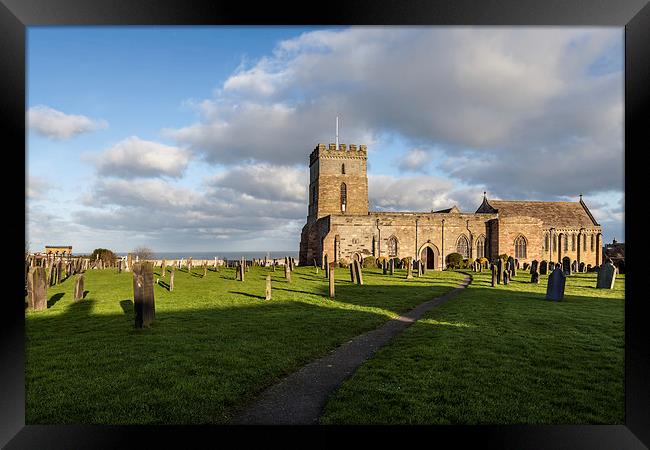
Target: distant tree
<point x="107" y="256"/>
<point x="143" y="253"/>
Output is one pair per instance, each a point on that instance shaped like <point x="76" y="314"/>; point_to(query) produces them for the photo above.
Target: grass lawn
<point x="215" y="344"/>
<point x="499" y="355"/>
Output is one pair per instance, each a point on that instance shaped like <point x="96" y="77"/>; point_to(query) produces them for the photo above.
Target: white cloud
<point x="415" y="160"/>
<point x="55" y="124"/>
<point x="135" y="157"/>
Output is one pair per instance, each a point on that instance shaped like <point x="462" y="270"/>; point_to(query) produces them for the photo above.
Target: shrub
<point x="483" y="261"/>
<point x="343" y="262"/>
<point x="380" y="260"/>
<point x="369" y="261"/>
<point x="405" y="262"/>
<point x="106" y="255"/>
<point x="454" y="260"/>
<point x="504" y="257"/>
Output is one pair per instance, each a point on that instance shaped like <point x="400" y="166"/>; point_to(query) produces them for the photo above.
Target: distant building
<point x="340" y="225"/>
<point x="58" y="250"/>
<point x="616" y="252"/>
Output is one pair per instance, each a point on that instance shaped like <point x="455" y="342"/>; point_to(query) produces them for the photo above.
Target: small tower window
<point x="343" y="169"/>
<point x="344" y="196"/>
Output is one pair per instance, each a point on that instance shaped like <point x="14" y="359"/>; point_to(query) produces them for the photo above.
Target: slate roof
<point x="552" y="214"/>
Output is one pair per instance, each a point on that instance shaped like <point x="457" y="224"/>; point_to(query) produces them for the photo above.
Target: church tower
<point x="338" y="181"/>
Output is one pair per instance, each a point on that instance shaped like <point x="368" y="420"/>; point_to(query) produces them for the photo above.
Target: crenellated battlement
<point x="344" y="150"/>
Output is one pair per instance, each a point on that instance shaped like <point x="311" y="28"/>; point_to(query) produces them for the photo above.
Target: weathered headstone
<point x="534" y="266"/>
<point x="566" y="265"/>
<point x="606" y="276"/>
<point x="513" y="269"/>
<point x="555" y="285"/>
<point x="499" y="270"/>
<point x="353" y="277"/>
<point x="574" y="266"/>
<point x="543" y="268"/>
<point x="143" y="298"/>
<point x="534" y="278"/>
<point x="242" y="271"/>
<point x="420" y="268"/>
<point x="409" y="269"/>
<point x="79" y="288"/>
<point x="36" y="289"/>
<point x="359" y="273"/>
<point x="268" y="288"/>
<point x="516" y="264"/>
<point x="331" y="281"/>
<point x="59" y="269"/>
<point x="383" y="267"/>
<point x="391" y="267"/>
<point x="287" y="273"/>
<point x="171" y="278"/>
<point x="582" y="267"/>
<point x="506" y="277"/>
<point x="494" y="275"/>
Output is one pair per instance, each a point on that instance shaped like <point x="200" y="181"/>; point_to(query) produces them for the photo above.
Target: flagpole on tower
<point x="337" y="132"/>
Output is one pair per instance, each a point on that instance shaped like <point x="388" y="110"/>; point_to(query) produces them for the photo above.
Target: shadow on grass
<point x="247" y="294"/>
<point x="127" y="307"/>
<point x="163" y="284"/>
<point x="84" y="294"/>
<point x="55" y="298"/>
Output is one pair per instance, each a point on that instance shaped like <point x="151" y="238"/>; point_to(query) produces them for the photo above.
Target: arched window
<point x="592" y="242"/>
<point x="462" y="246"/>
<point x="546" y="242"/>
<point x="480" y="247"/>
<point x="584" y="242"/>
<point x="573" y="242"/>
<point x="566" y="242"/>
<point x="554" y="242"/>
<point x="392" y="246"/>
<point x="344" y="196"/>
<point x="520" y="247"/>
<point x="343" y="169"/>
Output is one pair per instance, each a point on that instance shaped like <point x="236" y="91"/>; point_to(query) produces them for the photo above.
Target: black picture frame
<point x="634" y="15"/>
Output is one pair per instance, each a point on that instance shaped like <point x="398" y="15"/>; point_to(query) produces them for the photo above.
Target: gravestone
<point x="326" y="266"/>
<point x="359" y="273"/>
<point x="589" y="268"/>
<point x="205" y="269"/>
<point x="534" y="278"/>
<point x="499" y="270"/>
<point x="36" y="289"/>
<point x="383" y="267"/>
<point x="353" y="278"/>
<point x="129" y="262"/>
<point x="268" y="288"/>
<point x="50" y="275"/>
<point x="534" y="266"/>
<point x="566" y="265"/>
<point x="526" y="266"/>
<point x="421" y="268"/>
<point x="59" y="269"/>
<point x="287" y="273"/>
<point x="516" y="264"/>
<point x="574" y="266"/>
<point x="582" y="267"/>
<point x="409" y="269"/>
<point x="555" y="285"/>
<point x="513" y="269"/>
<point x="79" y="288"/>
<point x="119" y="266"/>
<point x="143" y="298"/>
<point x="506" y="277"/>
<point x="163" y="268"/>
<point x="606" y="276"/>
<point x="330" y="272"/>
<point x="242" y="271"/>
<point x="543" y="268"/>
<point x="171" y="278"/>
<point x="494" y="275"/>
<point x="391" y="267"/>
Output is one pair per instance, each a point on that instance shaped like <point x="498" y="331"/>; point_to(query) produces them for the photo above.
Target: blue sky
<point x="197" y="138"/>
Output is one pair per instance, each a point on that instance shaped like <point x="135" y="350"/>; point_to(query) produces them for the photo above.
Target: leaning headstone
<point x="359" y="273"/>
<point x="36" y="289"/>
<point x="143" y="298"/>
<point x="383" y="267"/>
<point x="494" y="275"/>
<point x="268" y="288"/>
<point x="534" y="278"/>
<point x="543" y="268"/>
<point x="330" y="271"/>
<point x="555" y="285"/>
<point x="353" y="278"/>
<point x="171" y="278"/>
<point x="606" y="276"/>
<point x="79" y="288"/>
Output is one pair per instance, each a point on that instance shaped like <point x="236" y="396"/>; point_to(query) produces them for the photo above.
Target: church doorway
<point x="429" y="256"/>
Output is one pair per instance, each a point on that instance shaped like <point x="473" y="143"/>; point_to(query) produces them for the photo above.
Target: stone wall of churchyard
<point x="582" y="251"/>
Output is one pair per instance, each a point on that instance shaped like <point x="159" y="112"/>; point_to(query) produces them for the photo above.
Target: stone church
<point x="340" y="225"/>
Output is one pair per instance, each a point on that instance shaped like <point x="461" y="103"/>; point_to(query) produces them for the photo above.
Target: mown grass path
<point x="500" y="355"/>
<point x="214" y="346"/>
<point x="299" y="398"/>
